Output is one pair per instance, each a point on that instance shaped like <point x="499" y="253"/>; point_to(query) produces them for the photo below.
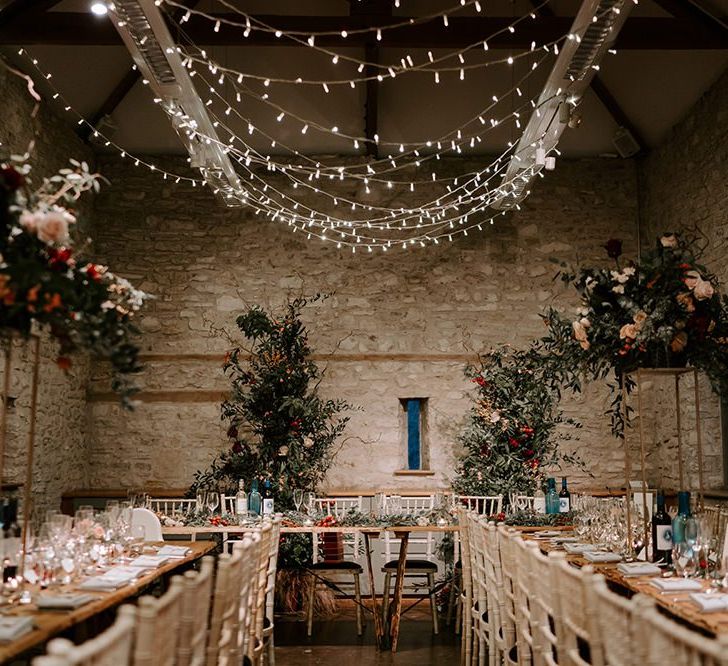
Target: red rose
<point x="614" y="248"/>
<point x="513" y="442"/>
<point x="93" y="272"/>
<point x="232" y="432"/>
<point x="237" y="448"/>
<point x="59" y="258"/>
<point x="11" y="178"/>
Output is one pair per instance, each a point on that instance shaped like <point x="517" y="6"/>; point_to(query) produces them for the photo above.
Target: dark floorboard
<point x="334" y="642"/>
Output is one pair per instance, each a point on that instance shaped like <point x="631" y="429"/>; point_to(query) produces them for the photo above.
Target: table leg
<point x="376" y="610"/>
<point x="398" y="590"/>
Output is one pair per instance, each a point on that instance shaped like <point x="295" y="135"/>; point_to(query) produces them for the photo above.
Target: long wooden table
<point x="676" y="604"/>
<point x="386" y="628"/>
<point x="50" y="623"/>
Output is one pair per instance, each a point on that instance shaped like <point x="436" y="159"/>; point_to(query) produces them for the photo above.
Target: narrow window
<point x="415" y="418"/>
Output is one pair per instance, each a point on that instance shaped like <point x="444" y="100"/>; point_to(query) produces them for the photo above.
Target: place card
<point x="676" y="584"/>
<point x="601" y="556"/>
<point x="14" y="627"/>
<point x="66" y="601"/>
<point x="174" y="552"/>
<point x="638" y="569"/>
<point x="710" y="603"/>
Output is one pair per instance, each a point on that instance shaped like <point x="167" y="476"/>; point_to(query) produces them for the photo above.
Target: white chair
<point x="469" y="598"/>
<point x="256" y="648"/>
<point x="422" y="567"/>
<point x="582" y="645"/>
<point x="146" y="520"/>
<point x="111" y="648"/>
<point x="171" y="506"/>
<point x="225" y="642"/>
<point x="509" y="620"/>
<point x="616" y="624"/>
<point x="664" y="641"/>
<point x="270" y="590"/>
<point x="157" y="630"/>
<point x="485" y="505"/>
<point x="523" y="590"/>
<point x="196" y="599"/>
<point x="546" y="627"/>
<point x="501" y="626"/>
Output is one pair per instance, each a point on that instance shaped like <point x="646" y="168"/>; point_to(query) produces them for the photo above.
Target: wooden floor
<point x="335" y="642"/>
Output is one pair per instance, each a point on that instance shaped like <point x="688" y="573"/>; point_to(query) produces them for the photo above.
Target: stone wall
<point x="60" y="442"/>
<point x="399" y="325"/>
<point x="683" y="188"/>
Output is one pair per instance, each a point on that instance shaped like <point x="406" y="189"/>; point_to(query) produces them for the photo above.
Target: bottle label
<point x="539" y="505"/>
<point x="241" y="506"/>
<point x="563" y="505"/>
<point x="664" y="537"/>
<point x="267" y="506"/>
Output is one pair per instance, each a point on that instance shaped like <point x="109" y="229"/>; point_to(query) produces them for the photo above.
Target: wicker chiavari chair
<point x="582" y="645"/>
<point x="523" y="591"/>
<point x="545" y="610"/>
<point x="485" y="609"/>
<point x="196" y="599"/>
<point x="157" y="629"/>
<point x="467" y="583"/>
<point x="507" y="556"/>
<point x="663" y="641"/>
<point x="615" y="623"/>
<point x="224" y="641"/>
<point x="255" y="648"/>
<point x="113" y="647"/>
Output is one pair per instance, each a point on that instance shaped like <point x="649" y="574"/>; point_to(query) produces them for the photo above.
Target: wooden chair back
<point x="157" y="629"/>
<point x="196" y="601"/>
<point x="113" y="647"/>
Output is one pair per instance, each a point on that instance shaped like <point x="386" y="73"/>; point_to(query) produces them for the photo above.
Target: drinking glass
<point x="692" y="530"/>
<point x="298" y="499"/>
<point x="309" y="501"/>
<point x="683" y="559"/>
<point x="394" y="505"/>
<point x="212" y="501"/>
<point x="200" y="501"/>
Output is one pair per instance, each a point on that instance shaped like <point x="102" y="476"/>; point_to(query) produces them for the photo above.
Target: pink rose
<point x="29" y="221"/>
<point x="691" y="279"/>
<point x="669" y="240"/>
<point x="628" y="331"/>
<point x="579" y="331"/>
<point x="52" y="227"/>
<point x="703" y="289"/>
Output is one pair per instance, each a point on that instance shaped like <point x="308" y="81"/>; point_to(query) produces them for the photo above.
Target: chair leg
<point x="357" y="599"/>
<point x="433" y="603"/>
<point x="451" y="597"/>
<point x="385" y="596"/>
<point x="271" y="657"/>
<point x="311" y="596"/>
<point x="459" y="614"/>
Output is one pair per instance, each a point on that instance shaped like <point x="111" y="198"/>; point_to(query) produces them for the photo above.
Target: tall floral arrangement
<point x="514" y="427"/>
<point x="45" y="281"/>
<point x="279" y="427"/>
<point x="664" y="310"/>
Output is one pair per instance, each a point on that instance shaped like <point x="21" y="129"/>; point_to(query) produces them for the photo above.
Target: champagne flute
<point x="298" y="499"/>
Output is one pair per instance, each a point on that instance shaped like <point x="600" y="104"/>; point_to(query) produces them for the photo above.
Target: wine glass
<point x="212" y="501"/>
<point x="683" y="559"/>
<point x="309" y="502"/>
<point x="298" y="499"/>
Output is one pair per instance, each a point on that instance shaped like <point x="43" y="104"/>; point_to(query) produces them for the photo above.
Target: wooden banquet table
<point x="675" y="604"/>
<point x="51" y="623"/>
<point x="386" y="629"/>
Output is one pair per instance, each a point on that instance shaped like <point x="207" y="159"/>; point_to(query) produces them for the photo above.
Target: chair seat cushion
<point x="411" y="564"/>
<point x="343" y="565"/>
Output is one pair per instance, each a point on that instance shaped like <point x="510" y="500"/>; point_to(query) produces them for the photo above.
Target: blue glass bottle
<point x="680" y="520"/>
<point x="552" y="497"/>
<point x="255" y="503"/>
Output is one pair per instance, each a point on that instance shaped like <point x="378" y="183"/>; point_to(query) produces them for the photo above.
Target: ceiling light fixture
<point x="99" y="8"/>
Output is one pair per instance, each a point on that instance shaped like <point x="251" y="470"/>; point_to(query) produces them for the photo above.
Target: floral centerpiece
<point x="43" y="280"/>
<point x="514" y="427"/>
<point x="663" y="311"/>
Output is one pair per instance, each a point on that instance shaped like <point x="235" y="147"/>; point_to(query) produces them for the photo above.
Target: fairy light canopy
<point x="276" y="111"/>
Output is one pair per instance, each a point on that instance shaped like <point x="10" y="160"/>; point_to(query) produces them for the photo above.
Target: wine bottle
<point x="552" y="498"/>
<point x="254" y="500"/>
<point x="241" y="500"/>
<point x="683" y="513"/>
<point x="661" y="533"/>
<point x="267" y="499"/>
<point x="564" y="497"/>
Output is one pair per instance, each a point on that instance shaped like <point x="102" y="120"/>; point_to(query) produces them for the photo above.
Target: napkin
<point x="601" y="556"/>
<point x="63" y="601"/>
<point x="14" y="627"/>
<point x="113" y="579"/>
<point x="578" y="547"/>
<point x="148" y="561"/>
<point x="546" y="534"/>
<point x="710" y="603"/>
<point x="676" y="584"/>
<point x="638" y="569"/>
<point x="564" y="539"/>
<point x="175" y="552"/>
